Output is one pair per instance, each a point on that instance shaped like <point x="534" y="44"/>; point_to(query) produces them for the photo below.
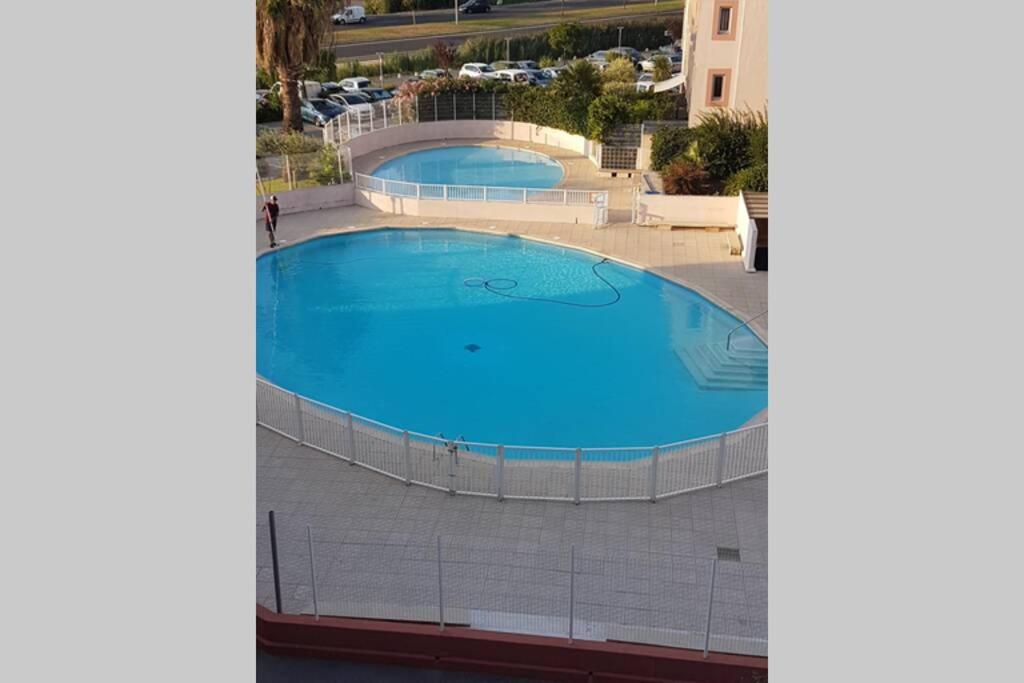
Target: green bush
<point x="687" y="177"/>
<point x="566" y="40"/>
<point x="721" y="142"/>
<point x="271" y="111"/>
<point x="275" y="143"/>
<point x="752" y="179"/>
<point x="669" y="143"/>
<point x="662" y="68"/>
<point x="324" y="168"/>
<point x="758" y="143"/>
<point x="619" y="70"/>
<point x="605" y="113"/>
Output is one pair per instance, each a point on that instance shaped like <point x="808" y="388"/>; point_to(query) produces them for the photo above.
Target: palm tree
<point x="287" y="39"/>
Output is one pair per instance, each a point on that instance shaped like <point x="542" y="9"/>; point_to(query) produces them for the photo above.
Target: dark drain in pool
<point x="472" y="348"/>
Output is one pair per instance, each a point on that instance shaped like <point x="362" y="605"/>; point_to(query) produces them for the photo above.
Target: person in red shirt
<point x="270" y="211"/>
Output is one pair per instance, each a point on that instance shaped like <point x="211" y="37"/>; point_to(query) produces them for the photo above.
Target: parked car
<point x="477" y="70"/>
<point x="645" y="83"/>
<point x="354" y="101"/>
<point x="430" y="74"/>
<point x="674" y="60"/>
<point x="350" y="15"/>
<point x="474" y="6"/>
<point x="517" y="76"/>
<point x="501" y="65"/>
<point x="553" y="71"/>
<point x="527" y="64"/>
<point x="540" y="77"/>
<point x="319" y="112"/>
<point x="261" y="96"/>
<point x="307" y="89"/>
<point x="632" y="53"/>
<point x="376" y="94"/>
<point x="354" y="84"/>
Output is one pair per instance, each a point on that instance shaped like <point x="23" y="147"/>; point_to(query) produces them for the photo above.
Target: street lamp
<point x="380" y="62"/>
<point x="456" y="11"/>
<point x="620" y="35"/>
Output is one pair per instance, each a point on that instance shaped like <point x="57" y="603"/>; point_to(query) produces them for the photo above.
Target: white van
<point x="350" y="15"/>
<point x="353" y="84"/>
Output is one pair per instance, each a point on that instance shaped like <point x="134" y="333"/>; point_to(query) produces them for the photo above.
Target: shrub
<point x="263" y="79"/>
<point x="686" y="177"/>
<point x="752" y="179"/>
<point x="324" y="168"/>
<point x="605" y="113"/>
<point x="758" y="143"/>
<point x="274" y="143"/>
<point x="669" y="143"/>
<point x="324" y="69"/>
<point x="721" y="142"/>
<point x="619" y="70"/>
<point x="444" y="54"/>
<point x="662" y="68"/>
<point x="566" y="40"/>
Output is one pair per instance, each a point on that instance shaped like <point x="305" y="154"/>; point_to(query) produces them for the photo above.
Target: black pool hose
<point x="503" y="291"/>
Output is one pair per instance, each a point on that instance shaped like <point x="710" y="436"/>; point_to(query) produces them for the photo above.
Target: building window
<point x="724" y="18"/>
<point x="718" y="88"/>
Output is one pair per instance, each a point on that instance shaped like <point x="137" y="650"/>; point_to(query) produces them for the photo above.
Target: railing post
<point x="417" y="190"/>
<point x="494" y="99"/>
<point x="300" y="438"/>
<point x="572" y="587"/>
<point x="273" y="557"/>
<point x="408" y="458"/>
<point x="455" y="108"/>
<point x="445" y="192"/>
<point x="351" y="439"/>
<point x="720" y="462"/>
<point x="435" y="108"/>
<point x="399" y="113"/>
<point x="312" y="572"/>
<point x="485" y="193"/>
<point x="576" y="477"/>
<point x="711" y="600"/>
<point x="655" y="452"/>
<point x="524" y="195"/>
<point x="384" y="108"/>
<point x="474" y="105"/>
<point x="440" y="587"/>
<point x="348" y="120"/>
<point x="417" y="108"/>
<point x="501" y="472"/>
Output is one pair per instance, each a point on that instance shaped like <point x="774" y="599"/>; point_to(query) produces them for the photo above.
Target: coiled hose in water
<point x="502" y="285"/>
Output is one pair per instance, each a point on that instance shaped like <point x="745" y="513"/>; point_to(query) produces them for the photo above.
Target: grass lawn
<point x="554" y="16"/>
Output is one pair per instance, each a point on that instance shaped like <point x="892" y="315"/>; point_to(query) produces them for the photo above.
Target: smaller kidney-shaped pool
<point x="473" y="165"/>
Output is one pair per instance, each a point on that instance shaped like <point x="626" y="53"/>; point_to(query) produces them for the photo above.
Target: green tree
<point x="567" y="39"/>
<point x="576" y="87"/>
<point x="288" y="36"/>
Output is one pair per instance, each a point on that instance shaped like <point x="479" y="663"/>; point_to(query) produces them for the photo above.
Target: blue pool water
<point x="469" y="165"/>
<point x="395" y="326"/>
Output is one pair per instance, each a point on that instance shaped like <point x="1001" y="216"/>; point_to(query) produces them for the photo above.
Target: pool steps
<point x="713" y="367"/>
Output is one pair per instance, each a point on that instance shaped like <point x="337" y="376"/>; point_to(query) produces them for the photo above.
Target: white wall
<point x="692" y="210"/>
<point x="747" y="231"/>
<point x="311" y="198"/>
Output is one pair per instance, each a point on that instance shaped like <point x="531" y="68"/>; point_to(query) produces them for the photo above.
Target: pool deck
<point x="352" y="505"/>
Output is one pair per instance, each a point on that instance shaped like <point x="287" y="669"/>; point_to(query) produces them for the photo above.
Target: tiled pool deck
<point x="352" y="509"/>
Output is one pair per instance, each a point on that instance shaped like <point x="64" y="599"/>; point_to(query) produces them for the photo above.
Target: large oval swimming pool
<point x="502" y="340"/>
<point x="474" y="165"/>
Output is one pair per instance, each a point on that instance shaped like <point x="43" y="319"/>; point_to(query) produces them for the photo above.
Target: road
<point x="356" y="49"/>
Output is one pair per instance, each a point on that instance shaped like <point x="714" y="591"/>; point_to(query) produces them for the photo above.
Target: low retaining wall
<point x="686" y="210"/>
<point x="370" y="142"/>
<point x="311" y="198"/>
<point x="464" y="649"/>
<point x="410" y="206"/>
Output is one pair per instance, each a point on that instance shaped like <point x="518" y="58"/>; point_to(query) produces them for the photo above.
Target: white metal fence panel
<point x="398" y="188"/>
<point x="616" y="474"/>
<point x="277" y="409"/>
<point x="466" y="193"/>
<point x="545" y="196"/>
<point x="581" y="197"/>
<point x="746" y="452"/>
<point x="505" y="194"/>
<point x="687" y="466"/>
<point x="539" y="473"/>
<point x="739" y="622"/>
<point x="325" y="428"/>
<point x="428" y="191"/>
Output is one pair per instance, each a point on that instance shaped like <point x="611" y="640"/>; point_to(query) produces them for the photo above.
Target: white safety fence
<point x="480" y="193"/>
<point x="528" y="472"/>
<point x="559" y="590"/>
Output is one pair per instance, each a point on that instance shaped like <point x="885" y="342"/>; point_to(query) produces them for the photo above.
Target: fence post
<point x="446" y="193"/>
<point x="435" y="108"/>
<point x="312" y="572"/>
<point x="711" y="600"/>
<point x="418" y="190"/>
<point x="451" y="468"/>
<point x="384" y="108"/>
<point x="351" y="439"/>
<point x="417" y="100"/>
<point x="654" y="473"/>
<point x="455" y="107"/>
<point x="720" y="463"/>
<point x="408" y="458"/>
<point x="348" y="120"/>
<point x="399" y="113"/>
<point x="474" y="105"/>
<point x="440" y="587"/>
<point x="494" y="99"/>
<point x="485" y="193"/>
<point x="576" y="478"/>
<point x="273" y="556"/>
<point x="501" y="472"/>
<point x="371" y="118"/>
<point x="524" y="195"/>
<point x="341" y="167"/>
<point x="572" y="587"/>
<point x="300" y="438"/>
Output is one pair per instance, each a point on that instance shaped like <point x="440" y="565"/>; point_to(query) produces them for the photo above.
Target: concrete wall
<point x="436" y="208"/>
<point x="747" y="231"/>
<point x="690" y="210"/>
<point x="369" y="143"/>
<point x="311" y="198"/>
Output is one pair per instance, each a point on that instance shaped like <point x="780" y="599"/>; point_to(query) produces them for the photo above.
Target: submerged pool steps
<point x="713" y="367"/>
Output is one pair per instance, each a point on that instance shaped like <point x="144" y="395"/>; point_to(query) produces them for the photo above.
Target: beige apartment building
<point x="725" y="55"/>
